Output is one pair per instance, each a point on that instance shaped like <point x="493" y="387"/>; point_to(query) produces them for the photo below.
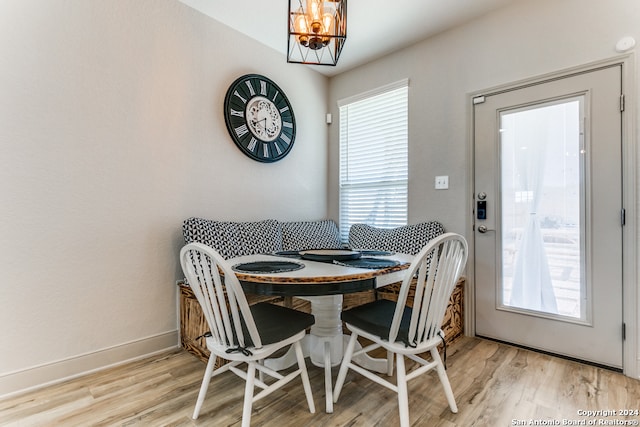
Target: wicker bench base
<point x="193" y="324"/>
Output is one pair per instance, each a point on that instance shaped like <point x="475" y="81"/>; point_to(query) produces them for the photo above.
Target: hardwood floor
<point x="494" y="385"/>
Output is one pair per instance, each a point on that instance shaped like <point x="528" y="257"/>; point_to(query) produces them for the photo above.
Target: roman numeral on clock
<point x="244" y="101"/>
<point x="241" y="131"/>
<point x="251" y="91"/>
<point x="252" y="144"/>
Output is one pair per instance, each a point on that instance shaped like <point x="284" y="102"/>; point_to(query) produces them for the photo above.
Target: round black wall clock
<point x="259" y="118"/>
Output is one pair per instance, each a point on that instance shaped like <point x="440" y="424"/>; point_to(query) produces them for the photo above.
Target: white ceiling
<point x="374" y="27"/>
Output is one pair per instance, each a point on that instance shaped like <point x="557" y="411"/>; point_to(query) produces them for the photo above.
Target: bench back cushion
<point x="303" y="235"/>
<point x="233" y="239"/>
<point x="408" y="239"/>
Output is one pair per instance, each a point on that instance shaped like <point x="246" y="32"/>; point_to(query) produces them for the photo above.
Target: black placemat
<point x="267" y="267"/>
<point x="368" y="262"/>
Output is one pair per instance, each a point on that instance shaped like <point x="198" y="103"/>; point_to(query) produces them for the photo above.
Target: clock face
<point x="259" y="118"/>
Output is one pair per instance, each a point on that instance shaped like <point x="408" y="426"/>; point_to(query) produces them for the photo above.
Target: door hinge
<point x="623" y="217"/>
<point x="478" y="100"/>
<point x="624" y="331"/>
<point x="621" y="102"/>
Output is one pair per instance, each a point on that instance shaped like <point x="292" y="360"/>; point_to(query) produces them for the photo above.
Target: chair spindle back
<point x="220" y="295"/>
<point x="436" y="270"/>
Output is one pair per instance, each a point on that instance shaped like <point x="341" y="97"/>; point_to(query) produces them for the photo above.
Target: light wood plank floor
<point x="494" y="384"/>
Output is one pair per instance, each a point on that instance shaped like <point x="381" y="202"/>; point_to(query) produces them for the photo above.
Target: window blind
<point x="374" y="160"/>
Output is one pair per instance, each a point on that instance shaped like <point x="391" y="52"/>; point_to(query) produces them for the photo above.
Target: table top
<point x="318" y="278"/>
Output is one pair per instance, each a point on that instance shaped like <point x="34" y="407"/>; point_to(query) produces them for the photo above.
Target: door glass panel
<point x="542" y="210"/>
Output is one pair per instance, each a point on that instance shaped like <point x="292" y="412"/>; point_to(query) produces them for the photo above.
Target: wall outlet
<point x="442" y="182"/>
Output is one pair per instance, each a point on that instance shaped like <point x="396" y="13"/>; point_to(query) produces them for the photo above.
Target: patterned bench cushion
<point x="303" y="235"/>
<point x="233" y="239"/>
<point x="408" y="239"/>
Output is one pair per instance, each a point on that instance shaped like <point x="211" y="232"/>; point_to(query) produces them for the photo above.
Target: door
<point x="549" y="216"/>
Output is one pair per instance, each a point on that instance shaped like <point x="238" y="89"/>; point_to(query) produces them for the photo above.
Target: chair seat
<point x="376" y="317"/>
<point x="276" y="323"/>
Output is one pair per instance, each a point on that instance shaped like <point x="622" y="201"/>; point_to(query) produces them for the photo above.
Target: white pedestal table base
<point x="325" y="344"/>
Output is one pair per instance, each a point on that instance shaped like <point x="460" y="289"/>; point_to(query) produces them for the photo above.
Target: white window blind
<point x="374" y="159"/>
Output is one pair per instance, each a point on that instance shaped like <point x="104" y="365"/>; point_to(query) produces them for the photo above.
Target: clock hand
<point x="255" y="123"/>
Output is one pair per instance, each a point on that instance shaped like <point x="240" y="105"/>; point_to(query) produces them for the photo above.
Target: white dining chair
<point x="409" y="331"/>
<point x="241" y="333"/>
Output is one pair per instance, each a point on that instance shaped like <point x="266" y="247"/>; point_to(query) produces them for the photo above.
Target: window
<point x="374" y="159"/>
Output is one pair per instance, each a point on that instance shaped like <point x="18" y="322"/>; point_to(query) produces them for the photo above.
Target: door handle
<point x="483" y="229"/>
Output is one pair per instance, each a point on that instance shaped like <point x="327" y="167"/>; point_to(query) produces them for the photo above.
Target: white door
<point x="549" y="216"/>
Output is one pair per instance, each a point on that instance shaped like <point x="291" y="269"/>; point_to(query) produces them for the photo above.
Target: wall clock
<point x="259" y="118"/>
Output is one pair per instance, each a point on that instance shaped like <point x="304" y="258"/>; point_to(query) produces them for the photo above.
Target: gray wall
<point x="111" y="134"/>
<point x="527" y="39"/>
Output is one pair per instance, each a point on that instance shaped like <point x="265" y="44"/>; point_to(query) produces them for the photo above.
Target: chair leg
<point x="248" y="394"/>
<point x="328" y="389"/>
<point x="304" y="376"/>
<point x="344" y="367"/>
<point x="260" y="373"/>
<point x="390" y="355"/>
<point x="205" y="386"/>
<point x="444" y="379"/>
<point x="403" y="395"/>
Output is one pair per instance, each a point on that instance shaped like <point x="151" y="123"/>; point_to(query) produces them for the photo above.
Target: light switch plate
<point x="442" y="182"/>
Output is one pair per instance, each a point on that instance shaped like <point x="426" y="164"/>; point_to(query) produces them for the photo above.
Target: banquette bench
<point x="233" y="239"/>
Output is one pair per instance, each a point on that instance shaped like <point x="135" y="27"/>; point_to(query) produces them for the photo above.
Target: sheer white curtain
<point x="529" y="131"/>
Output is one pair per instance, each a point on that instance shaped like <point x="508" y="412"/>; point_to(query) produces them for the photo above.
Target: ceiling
<point x="374" y="27"/>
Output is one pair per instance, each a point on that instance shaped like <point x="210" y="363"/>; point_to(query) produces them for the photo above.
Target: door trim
<point x="630" y="162"/>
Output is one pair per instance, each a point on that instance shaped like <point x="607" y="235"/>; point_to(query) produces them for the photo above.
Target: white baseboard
<point x="35" y="377"/>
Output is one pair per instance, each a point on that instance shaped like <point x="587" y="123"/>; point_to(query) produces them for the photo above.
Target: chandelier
<point x="317" y="31"/>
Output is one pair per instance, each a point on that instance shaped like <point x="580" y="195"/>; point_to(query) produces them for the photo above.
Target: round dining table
<point x="323" y="283"/>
